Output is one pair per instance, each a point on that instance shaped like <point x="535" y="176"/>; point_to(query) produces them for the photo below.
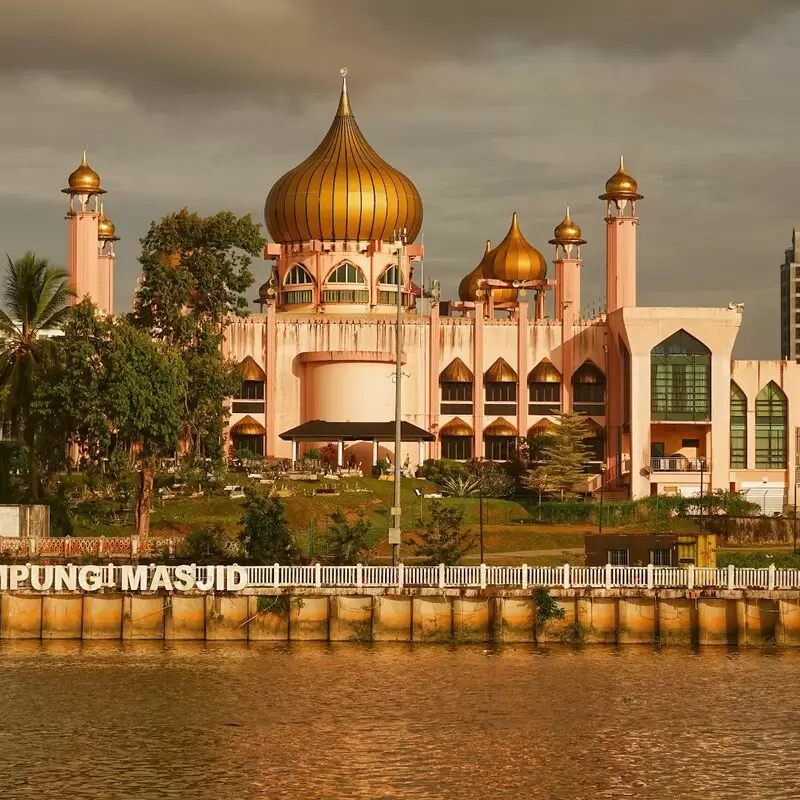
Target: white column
<point x="375" y="453"/>
<point x="294" y="451"/>
<point x="421" y="453"/>
<point x="340" y="453"/>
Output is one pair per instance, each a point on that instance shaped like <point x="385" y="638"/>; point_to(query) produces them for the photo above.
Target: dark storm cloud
<point x="489" y="107"/>
<point x="189" y="50"/>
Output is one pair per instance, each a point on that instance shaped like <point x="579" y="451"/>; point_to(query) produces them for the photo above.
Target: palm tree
<point x="36" y="297"/>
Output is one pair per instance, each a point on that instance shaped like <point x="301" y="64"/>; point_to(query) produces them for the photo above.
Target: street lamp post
<point x="603" y="469"/>
<point x="702" y="470"/>
<point x="480" y="513"/>
<point x="394" y="531"/>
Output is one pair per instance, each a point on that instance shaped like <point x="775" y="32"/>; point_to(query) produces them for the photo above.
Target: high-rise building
<point x="790" y="291"/>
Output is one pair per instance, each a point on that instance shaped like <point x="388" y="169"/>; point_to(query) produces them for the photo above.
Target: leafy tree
<point x="195" y="271"/>
<point x="71" y="402"/>
<point x="441" y="539"/>
<point x="35" y="297"/>
<point x="347" y="541"/>
<point x="563" y="460"/>
<point x="144" y="392"/>
<point x="266" y="536"/>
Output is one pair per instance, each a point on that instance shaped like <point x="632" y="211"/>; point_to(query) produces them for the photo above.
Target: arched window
<point x="456" y="437"/>
<point x="544" y="389"/>
<point x="349" y="274"/>
<point x="589" y="390"/>
<point x="456" y="380"/>
<point x="298" y="276"/>
<point x="500" y="440"/>
<point x="771" y="428"/>
<point x="387" y="286"/>
<point x="738" y="428"/>
<point x="389" y="277"/>
<point x="680" y="379"/>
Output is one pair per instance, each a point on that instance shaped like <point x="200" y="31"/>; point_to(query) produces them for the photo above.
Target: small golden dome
<point x="106" y="230"/>
<point x="500" y="372"/>
<point x="456" y="372"/>
<point x="567" y="232"/>
<point x="514" y="259"/>
<point x="84" y="180"/>
<point x="501" y="427"/>
<point x="468" y="288"/>
<point x="343" y="191"/>
<point x="621" y="185"/>
<point x="456" y="427"/>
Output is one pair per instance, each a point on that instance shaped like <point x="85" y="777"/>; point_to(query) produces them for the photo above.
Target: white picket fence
<point x="484" y="576"/>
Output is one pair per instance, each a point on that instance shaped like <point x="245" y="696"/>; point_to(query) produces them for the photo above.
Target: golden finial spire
<point x="344" y="109"/>
<point x="84" y="162"/>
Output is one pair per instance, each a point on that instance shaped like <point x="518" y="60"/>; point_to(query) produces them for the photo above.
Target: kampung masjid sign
<point x="72" y="578"/>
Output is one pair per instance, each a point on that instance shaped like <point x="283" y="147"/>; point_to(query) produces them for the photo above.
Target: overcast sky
<point x="490" y="106"/>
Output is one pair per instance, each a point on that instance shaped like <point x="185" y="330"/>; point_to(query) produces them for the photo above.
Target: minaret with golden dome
<point x="335" y="218"/>
<point x="91" y="236"/>
<point x="567" y="240"/>
<point x="621" y="194"/>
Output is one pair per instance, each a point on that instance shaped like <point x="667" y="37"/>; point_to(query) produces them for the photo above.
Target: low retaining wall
<point x="424" y="615"/>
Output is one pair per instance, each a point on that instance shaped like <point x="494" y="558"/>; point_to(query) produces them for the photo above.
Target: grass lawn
<point x="510" y="527"/>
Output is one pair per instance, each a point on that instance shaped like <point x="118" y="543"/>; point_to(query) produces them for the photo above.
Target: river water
<point x="235" y="722"/>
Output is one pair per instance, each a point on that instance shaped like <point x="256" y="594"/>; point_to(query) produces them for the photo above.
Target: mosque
<point x="670" y="411"/>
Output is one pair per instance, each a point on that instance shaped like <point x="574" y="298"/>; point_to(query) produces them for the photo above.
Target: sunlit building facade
<point x="669" y="411"/>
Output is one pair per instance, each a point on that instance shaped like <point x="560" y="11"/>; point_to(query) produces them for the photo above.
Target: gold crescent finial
<point x="343" y="72"/>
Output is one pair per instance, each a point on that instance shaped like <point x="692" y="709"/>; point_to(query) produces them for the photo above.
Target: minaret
<point x="567" y="262"/>
<point x="621" y="195"/>
<point x="567" y="240"/>
<point x="83" y="234"/>
<point x="106" y="236"/>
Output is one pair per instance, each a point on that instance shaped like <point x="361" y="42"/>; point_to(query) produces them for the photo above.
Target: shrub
<point x="441" y="539"/>
<point x="439" y="470"/>
<point x="208" y="545"/>
<point x="266" y="536"/>
<point x="347" y="541"/>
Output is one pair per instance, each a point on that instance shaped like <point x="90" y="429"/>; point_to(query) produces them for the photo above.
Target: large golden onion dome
<point x="84" y="180"/>
<point x="343" y="191"/>
<point x="515" y="258"/>
<point x="468" y="288"/>
<point x="621" y="185"/>
<point x="567" y="232"/>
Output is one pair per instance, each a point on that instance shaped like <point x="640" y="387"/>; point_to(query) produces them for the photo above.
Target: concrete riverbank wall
<point x="424" y="615"/>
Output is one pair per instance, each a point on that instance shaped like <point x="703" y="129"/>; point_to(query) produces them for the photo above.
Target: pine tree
<point x="564" y="457"/>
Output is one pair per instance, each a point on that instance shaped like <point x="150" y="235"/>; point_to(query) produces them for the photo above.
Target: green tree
<point x="563" y="459"/>
<point x="347" y="541"/>
<point x="441" y="539"/>
<point x="36" y="296"/>
<point x="71" y="403"/>
<point x="266" y="536"/>
<point x="144" y="391"/>
<point x="195" y="271"/>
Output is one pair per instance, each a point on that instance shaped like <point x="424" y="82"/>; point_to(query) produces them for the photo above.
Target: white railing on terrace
<point x="679" y="464"/>
<point x="483" y="576"/>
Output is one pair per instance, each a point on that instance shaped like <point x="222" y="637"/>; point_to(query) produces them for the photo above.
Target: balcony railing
<point x="680" y="464"/>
